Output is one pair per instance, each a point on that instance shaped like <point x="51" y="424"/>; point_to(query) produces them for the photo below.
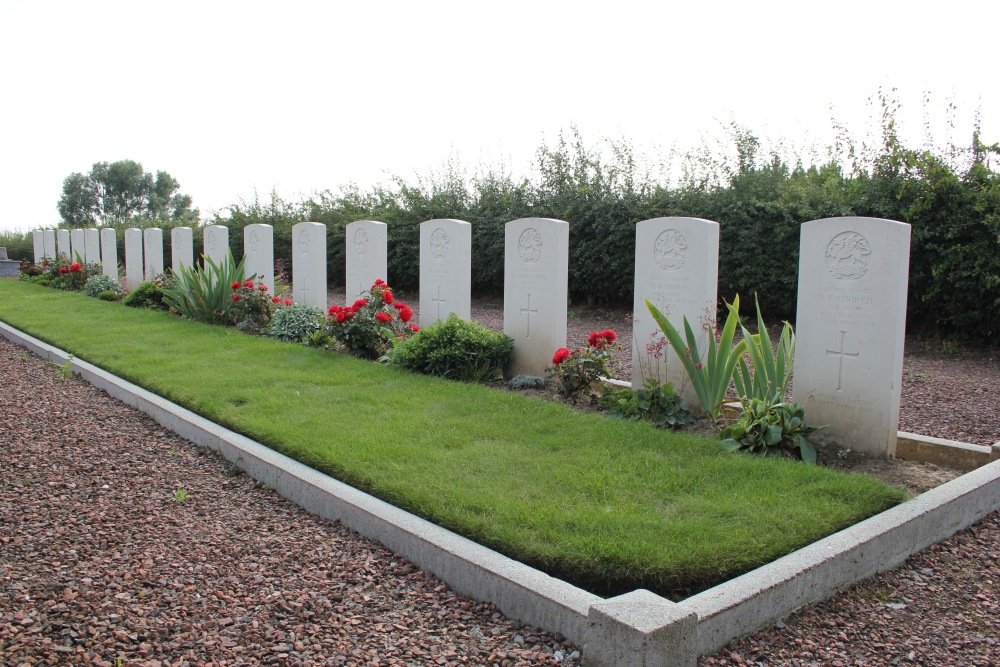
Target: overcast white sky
<point x="302" y="96"/>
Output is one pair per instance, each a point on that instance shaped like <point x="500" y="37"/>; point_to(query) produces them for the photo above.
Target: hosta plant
<point x="656" y="403"/>
<point x="771" y="428"/>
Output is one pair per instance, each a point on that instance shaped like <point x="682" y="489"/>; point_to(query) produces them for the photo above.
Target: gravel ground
<point x="100" y="564"/>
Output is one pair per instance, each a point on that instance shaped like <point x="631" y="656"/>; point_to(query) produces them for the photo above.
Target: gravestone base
<point x="10" y="268"/>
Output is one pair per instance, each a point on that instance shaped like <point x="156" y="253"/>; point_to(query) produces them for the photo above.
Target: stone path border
<point x="634" y="629"/>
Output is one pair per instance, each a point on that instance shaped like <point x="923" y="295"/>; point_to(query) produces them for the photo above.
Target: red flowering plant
<point x="579" y="372"/>
<point x="252" y="305"/>
<point x="368" y="327"/>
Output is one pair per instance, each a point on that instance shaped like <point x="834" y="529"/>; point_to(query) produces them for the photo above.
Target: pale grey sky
<point x="307" y="95"/>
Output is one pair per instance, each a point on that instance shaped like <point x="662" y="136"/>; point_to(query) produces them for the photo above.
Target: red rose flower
<point x="288" y="302"/>
<point x="63" y="270"/>
<point x="387" y="296"/>
<point x="236" y="285"/>
<point x="383" y="317"/>
<point x="378" y="281"/>
<point x="262" y="287"/>
<point x="609" y="336"/>
<point x="399" y="305"/>
<point x="75" y="268"/>
<point x="405" y="314"/>
<point x="414" y="328"/>
<point x="248" y="283"/>
<point x="342" y="315"/>
<point x="235" y="298"/>
<point x="45" y="263"/>
<point x="560" y="356"/>
<point x="594" y="339"/>
<point x="360" y="303"/>
<point x="276" y="299"/>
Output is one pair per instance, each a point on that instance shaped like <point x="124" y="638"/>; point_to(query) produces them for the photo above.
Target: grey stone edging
<point x="635" y="629"/>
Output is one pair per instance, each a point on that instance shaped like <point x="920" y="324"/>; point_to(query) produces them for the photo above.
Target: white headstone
<point x="133" y="258"/>
<point x="367" y="244"/>
<point x="536" y="263"/>
<point x="109" y="252"/>
<point x="217" y="243"/>
<point x="92" y="245"/>
<point x="850" y="325"/>
<point x="258" y="248"/>
<point x="677" y="269"/>
<point x="181" y="248"/>
<point x="445" y="270"/>
<point x="78" y="246"/>
<point x="49" y="243"/>
<point x="309" y="264"/>
<point x="39" y="245"/>
<point x="152" y="246"/>
<point x="63" y="247"/>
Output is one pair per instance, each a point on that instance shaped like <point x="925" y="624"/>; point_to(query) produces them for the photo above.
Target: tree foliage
<point x="118" y="192"/>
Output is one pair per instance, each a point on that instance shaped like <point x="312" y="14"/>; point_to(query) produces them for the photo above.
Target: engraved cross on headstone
<point x="528" y="311"/>
<point x="841" y="354"/>
<point x="438" y="300"/>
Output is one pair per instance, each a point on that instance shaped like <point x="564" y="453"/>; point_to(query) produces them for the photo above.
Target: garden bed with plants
<point x="608" y="505"/>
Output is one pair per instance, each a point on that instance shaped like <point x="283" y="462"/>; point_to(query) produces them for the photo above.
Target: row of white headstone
<point x="853" y="275"/>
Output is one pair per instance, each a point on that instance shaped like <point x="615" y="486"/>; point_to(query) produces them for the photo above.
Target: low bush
<point x="656" y="403"/>
<point x="109" y="296"/>
<point x="455" y="349"/>
<point x="95" y="285"/>
<point x="148" y="294"/>
<point x="295" y="323"/>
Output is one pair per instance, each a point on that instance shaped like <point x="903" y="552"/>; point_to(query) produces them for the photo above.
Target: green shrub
<point x="771" y="428"/>
<point x="295" y="323"/>
<point x="95" y="285"/>
<point x="455" y="349"/>
<point x="656" y="403"/>
<point x="110" y="295"/>
<point x="148" y="294"/>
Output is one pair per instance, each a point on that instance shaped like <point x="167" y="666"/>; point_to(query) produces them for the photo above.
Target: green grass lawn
<point x="607" y="505"/>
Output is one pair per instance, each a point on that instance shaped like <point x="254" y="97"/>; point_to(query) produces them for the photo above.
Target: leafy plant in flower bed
<point x="656" y="403"/>
<point x="148" y="294"/>
<point x="772" y="368"/>
<point x="295" y="323"/>
<point x="368" y="327"/>
<point x="580" y="371"/>
<point x="203" y="293"/>
<point x="772" y="428"/>
<point x="95" y="285"/>
<point x="252" y="307"/>
<point x="455" y="349"/>
<point x="711" y="377"/>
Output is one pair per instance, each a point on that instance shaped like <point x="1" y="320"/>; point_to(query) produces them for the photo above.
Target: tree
<point x="120" y="191"/>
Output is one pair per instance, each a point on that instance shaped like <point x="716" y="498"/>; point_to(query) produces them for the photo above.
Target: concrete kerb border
<point x="637" y="628"/>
